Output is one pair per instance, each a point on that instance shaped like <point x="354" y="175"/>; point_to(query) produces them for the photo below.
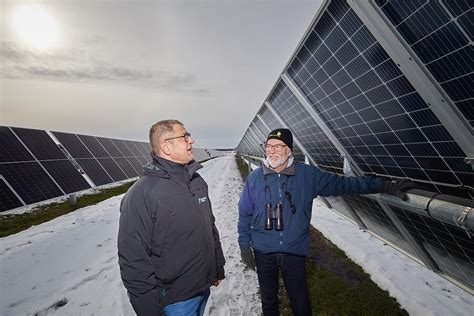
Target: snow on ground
<point x="419" y="290"/>
<point x="72" y="261"/>
<point x="74" y="257"/>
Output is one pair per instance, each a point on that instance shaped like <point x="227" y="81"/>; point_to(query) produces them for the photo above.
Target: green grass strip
<point x="14" y="223"/>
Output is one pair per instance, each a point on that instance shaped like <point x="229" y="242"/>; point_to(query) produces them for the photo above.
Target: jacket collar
<point x="289" y="171"/>
<point x="165" y="168"/>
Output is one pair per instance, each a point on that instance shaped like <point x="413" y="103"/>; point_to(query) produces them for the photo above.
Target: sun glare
<point x="35" y="27"/>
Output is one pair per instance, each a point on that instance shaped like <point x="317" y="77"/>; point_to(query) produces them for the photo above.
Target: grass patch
<point x="338" y="286"/>
<point x="14" y="223"/>
<point x="243" y="167"/>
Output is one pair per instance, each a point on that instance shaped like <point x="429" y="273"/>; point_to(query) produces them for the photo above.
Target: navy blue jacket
<point x="304" y="183"/>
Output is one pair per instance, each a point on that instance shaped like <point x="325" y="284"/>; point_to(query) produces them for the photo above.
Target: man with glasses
<point x="168" y="244"/>
<point x="275" y="213"/>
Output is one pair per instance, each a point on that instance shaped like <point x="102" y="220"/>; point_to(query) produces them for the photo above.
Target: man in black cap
<point x="274" y="218"/>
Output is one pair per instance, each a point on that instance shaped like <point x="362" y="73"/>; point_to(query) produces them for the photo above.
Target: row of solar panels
<point x="386" y="86"/>
<point x="36" y="165"/>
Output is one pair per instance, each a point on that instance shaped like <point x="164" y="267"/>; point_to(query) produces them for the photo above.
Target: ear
<point x="165" y="148"/>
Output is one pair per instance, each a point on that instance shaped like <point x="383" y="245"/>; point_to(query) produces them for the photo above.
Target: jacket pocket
<point x="160" y="231"/>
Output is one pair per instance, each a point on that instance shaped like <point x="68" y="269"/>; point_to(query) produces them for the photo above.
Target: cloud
<point x="76" y="65"/>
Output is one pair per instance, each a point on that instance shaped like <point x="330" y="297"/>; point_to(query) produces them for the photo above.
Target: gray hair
<point x="160" y="130"/>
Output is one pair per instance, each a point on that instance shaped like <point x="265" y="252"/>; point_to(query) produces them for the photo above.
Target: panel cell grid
<point x="94" y="146"/>
<point x="448" y="245"/>
<point x="95" y="171"/>
<point x="66" y="175"/>
<point x="110" y="147"/>
<point x="30" y="181"/>
<point x="120" y="144"/>
<point x="380" y="120"/>
<point x="8" y="199"/>
<point x="136" y="164"/>
<point x="11" y="149"/>
<point x="39" y="143"/>
<point x="126" y="167"/>
<point x="73" y="145"/>
<point x="376" y="220"/>
<point x="441" y="34"/>
<point x="132" y="148"/>
<point x="305" y="127"/>
<point x="112" y="168"/>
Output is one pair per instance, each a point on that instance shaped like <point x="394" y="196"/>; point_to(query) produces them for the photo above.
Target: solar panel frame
<point x="368" y="149"/>
<point x="73" y="145"/>
<point x="110" y="147"/>
<point x="94" y="146"/>
<point x="112" y="169"/>
<point x="8" y="199"/>
<point x="30" y="181"/>
<point x="66" y="175"/>
<point x="94" y="171"/>
<point x="11" y="149"/>
<point x="437" y="33"/>
<point x="39" y="143"/>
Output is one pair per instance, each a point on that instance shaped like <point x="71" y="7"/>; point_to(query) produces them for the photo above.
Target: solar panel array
<point x="344" y="93"/>
<point x="441" y="34"/>
<point x="36" y="165"/>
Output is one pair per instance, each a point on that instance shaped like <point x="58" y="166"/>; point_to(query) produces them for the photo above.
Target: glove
<point x="247" y="258"/>
<point x="399" y="187"/>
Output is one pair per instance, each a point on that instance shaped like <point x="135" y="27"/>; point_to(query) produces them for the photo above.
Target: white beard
<point x="275" y="163"/>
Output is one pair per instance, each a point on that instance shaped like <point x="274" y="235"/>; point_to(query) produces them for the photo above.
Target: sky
<point x="73" y="259"/>
<point x="113" y="68"/>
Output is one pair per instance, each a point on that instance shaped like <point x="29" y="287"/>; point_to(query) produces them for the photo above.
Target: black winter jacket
<point x="168" y="244"/>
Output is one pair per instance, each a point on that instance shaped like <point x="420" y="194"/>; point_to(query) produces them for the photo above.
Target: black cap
<point x="282" y="134"/>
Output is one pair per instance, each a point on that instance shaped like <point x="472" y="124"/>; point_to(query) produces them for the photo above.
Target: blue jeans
<point x="193" y="306"/>
<point x="293" y="272"/>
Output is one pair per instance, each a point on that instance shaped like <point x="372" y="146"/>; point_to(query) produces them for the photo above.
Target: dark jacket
<point x="303" y="183"/>
<point x="168" y="244"/>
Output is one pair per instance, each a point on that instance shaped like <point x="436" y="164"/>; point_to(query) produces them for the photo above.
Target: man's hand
<point x="247" y="258"/>
<point x="399" y="187"/>
<point x="217" y="282"/>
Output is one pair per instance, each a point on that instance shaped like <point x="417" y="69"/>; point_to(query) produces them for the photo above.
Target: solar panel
<point x="95" y="171"/>
<point x="11" y="149"/>
<point x="441" y="35"/>
<point x="48" y="154"/>
<point x="449" y="245"/>
<point x="341" y="92"/>
<point x="37" y="166"/>
<point x="73" y="145"/>
<point x="120" y="144"/>
<point x="66" y="175"/>
<point x="94" y="146"/>
<point x="126" y="167"/>
<point x="132" y="148"/>
<point x="136" y="164"/>
<point x="370" y="107"/>
<point x="30" y="181"/>
<point x="110" y="147"/>
<point x="112" y="168"/>
<point x="8" y="199"/>
<point x="39" y="143"/>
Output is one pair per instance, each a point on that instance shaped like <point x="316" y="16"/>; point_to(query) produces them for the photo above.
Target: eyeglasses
<point x="277" y="148"/>
<point x="186" y="136"/>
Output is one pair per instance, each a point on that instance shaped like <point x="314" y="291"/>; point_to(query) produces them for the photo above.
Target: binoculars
<point x="274" y="216"/>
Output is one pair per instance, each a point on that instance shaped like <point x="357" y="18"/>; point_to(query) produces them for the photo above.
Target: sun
<point x="35" y="27"/>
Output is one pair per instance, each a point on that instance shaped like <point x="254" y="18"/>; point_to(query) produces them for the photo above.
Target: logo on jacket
<point x="202" y="200"/>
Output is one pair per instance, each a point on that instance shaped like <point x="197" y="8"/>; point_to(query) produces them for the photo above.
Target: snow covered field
<point x="71" y="262"/>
